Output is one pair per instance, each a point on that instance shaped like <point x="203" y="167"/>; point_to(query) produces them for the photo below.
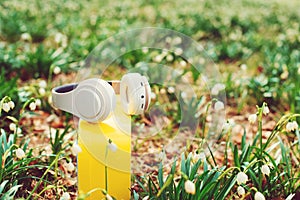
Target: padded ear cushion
<point x="135" y="93"/>
<point x="94" y="100"/>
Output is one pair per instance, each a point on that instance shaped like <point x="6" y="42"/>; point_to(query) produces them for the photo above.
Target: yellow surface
<point x="93" y="139"/>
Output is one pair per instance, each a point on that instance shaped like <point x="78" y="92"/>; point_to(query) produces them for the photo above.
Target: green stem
<point x="106" y="188"/>
<point x="46" y="172"/>
<point x="260" y="115"/>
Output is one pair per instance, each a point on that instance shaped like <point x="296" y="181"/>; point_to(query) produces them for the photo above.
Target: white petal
<point x="20" y="153"/>
<point x="189" y="187"/>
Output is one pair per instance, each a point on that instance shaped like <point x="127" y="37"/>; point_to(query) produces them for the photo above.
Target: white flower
<point x="43" y="84"/>
<point x="108" y="197"/>
<point x="169" y="58"/>
<point x="241" y="191"/>
<point x="158" y="58"/>
<point x="244" y="67"/>
<point x="42" y="91"/>
<point x="171" y="90"/>
<point x="65" y="196"/>
<point x="6" y="107"/>
<point x="145" y="50"/>
<point x="177" y="40"/>
<point x="12" y="127"/>
<point x="75" y="149"/>
<point x="182" y="63"/>
<point x="70" y="166"/>
<point x="56" y="70"/>
<point x="178" y="51"/>
<point x="241" y="178"/>
<point x="198" y="156"/>
<point x="19" y="130"/>
<point x="146" y="198"/>
<point x="217" y="88"/>
<point x="153" y="95"/>
<point x="226" y="127"/>
<point x="202" y="156"/>
<point x="266" y="110"/>
<point x="32" y="106"/>
<point x="259" y="196"/>
<point x="190" y="187"/>
<point x="290" y="197"/>
<point x="38" y="102"/>
<point x="265" y="170"/>
<point x="20" y="153"/>
<point x="252" y="118"/>
<point x="11" y="104"/>
<point x="162" y="155"/>
<point x="291" y="126"/>
<point x="219" y="106"/>
<point x="183" y="95"/>
<point x="26" y="36"/>
<point x="162" y="91"/>
<point x="112" y="146"/>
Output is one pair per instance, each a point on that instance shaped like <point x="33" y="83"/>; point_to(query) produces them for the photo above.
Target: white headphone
<point x="94" y="99"/>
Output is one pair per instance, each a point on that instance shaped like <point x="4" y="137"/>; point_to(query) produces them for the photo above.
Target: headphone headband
<point x="94" y="99"/>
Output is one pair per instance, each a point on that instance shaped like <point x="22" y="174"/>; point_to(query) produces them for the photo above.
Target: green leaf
<point x="236" y="156"/>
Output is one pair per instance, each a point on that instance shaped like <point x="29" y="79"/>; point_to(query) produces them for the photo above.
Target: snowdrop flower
<point x="42" y="84"/>
<point x="266" y="110"/>
<point x="183" y="95"/>
<point x="56" y="70"/>
<point x="6" y="107"/>
<point x="162" y="91"/>
<point x="252" y="118"/>
<point x="265" y="170"/>
<point x="244" y="67"/>
<point x="19" y="130"/>
<point x="12" y="127"/>
<point x="241" y="191"/>
<point x="290" y="197"/>
<point x="145" y="50"/>
<point x="108" y="197"/>
<point x="32" y="106"/>
<point x="198" y="156"/>
<point x="202" y="156"/>
<point x="162" y="155"/>
<point x="65" y="196"/>
<point x="241" y="178"/>
<point x="291" y="126"/>
<point x="146" y="198"/>
<point x="219" y="106"/>
<point x="217" y="88"/>
<point x="182" y="63"/>
<point x="226" y="127"/>
<point x="20" y="153"/>
<point x="259" y="196"/>
<point x="26" y="36"/>
<point x="11" y="104"/>
<point x="171" y="90"/>
<point x="158" y="58"/>
<point x="42" y="91"/>
<point x="178" y="51"/>
<point x="177" y="40"/>
<point x="75" y="149"/>
<point x="153" y="95"/>
<point x="190" y="187"/>
<point x="169" y="58"/>
<point x="70" y="166"/>
<point x="112" y="146"/>
<point x="38" y="102"/>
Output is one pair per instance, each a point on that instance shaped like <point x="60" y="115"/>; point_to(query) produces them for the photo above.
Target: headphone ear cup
<point x="135" y="93"/>
<point x="94" y="100"/>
